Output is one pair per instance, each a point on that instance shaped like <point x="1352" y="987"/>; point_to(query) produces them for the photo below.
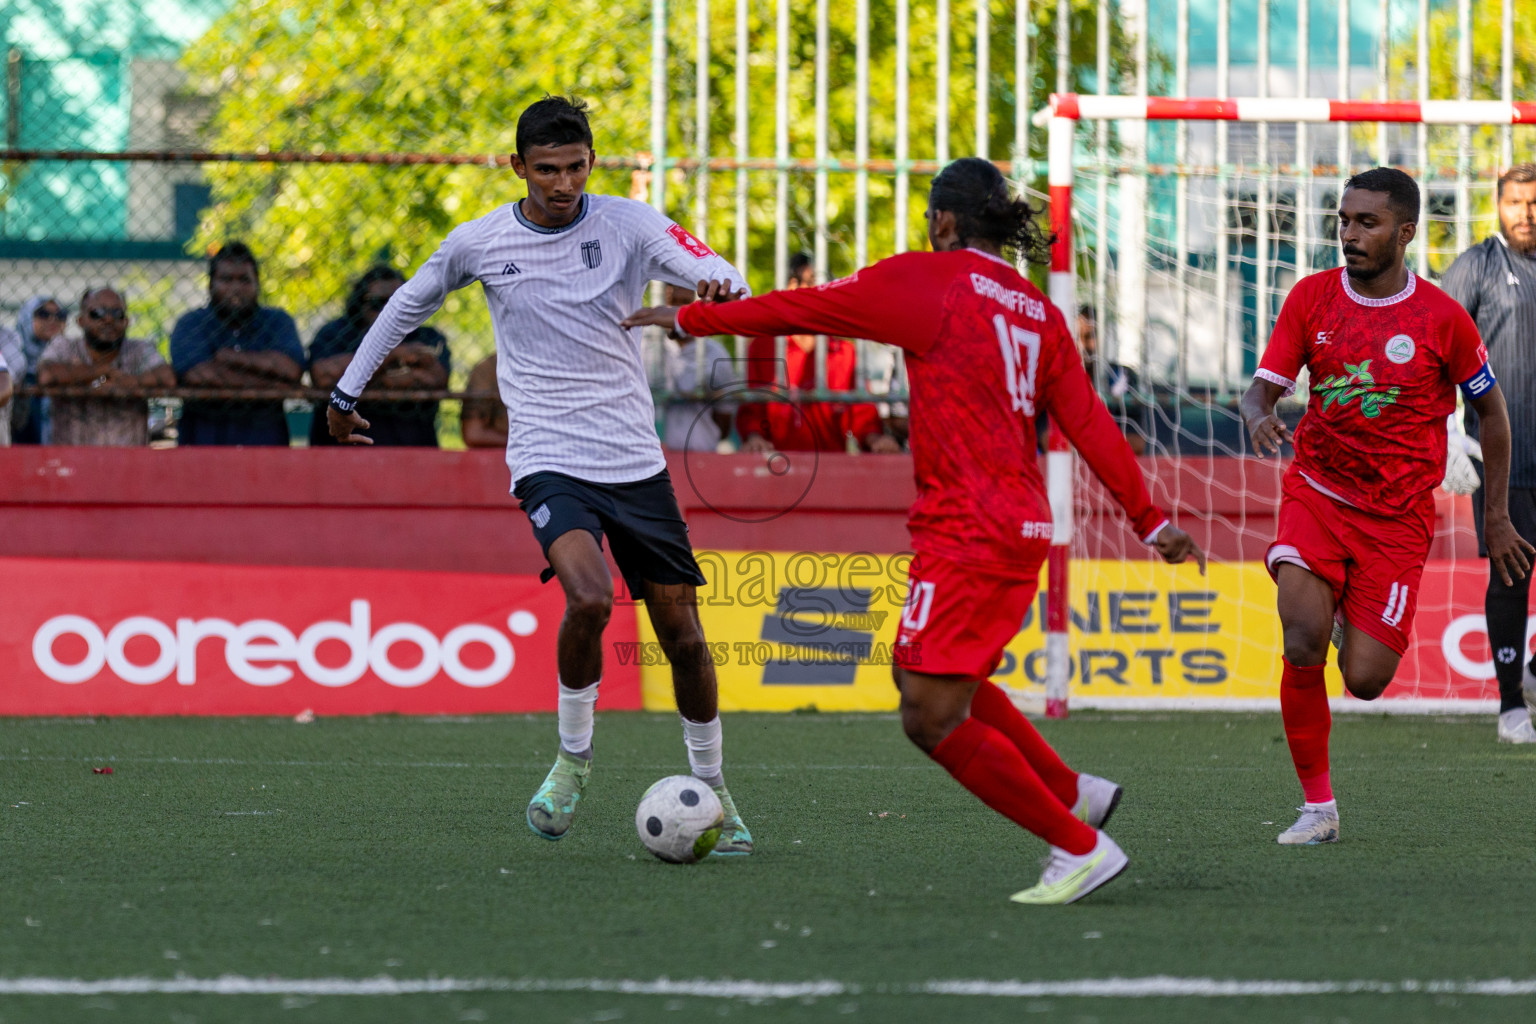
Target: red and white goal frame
<point x="1060" y="118"/>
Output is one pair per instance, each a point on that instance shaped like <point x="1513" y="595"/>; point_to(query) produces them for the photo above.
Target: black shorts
<point x="645" y="530"/>
<point x="1522" y="513"/>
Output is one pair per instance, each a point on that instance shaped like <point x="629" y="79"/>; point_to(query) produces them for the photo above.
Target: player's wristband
<point x="343" y="402"/>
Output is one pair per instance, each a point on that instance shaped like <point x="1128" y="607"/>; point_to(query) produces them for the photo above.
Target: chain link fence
<point x="335" y="137"/>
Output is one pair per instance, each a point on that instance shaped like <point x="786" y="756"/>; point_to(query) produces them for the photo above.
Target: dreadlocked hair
<point x="976" y="192"/>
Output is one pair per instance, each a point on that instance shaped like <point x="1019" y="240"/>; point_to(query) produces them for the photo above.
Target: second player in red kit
<point x="1385" y="352"/>
<point x="986" y="355"/>
<point x="1384" y="375"/>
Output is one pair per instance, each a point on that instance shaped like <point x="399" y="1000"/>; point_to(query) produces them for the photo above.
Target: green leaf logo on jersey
<point x="1342" y="389"/>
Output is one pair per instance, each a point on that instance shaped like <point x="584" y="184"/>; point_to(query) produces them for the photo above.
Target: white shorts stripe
<point x="1397" y="604"/>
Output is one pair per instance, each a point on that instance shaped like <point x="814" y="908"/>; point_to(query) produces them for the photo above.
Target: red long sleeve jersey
<point x="986" y="354"/>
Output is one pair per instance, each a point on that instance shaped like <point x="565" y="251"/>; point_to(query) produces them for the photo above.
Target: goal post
<point x="1186" y="263"/>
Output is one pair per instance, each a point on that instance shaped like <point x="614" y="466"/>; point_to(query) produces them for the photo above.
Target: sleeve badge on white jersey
<point x="697" y="249"/>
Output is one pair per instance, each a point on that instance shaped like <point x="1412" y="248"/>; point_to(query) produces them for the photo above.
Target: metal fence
<point x="331" y="136"/>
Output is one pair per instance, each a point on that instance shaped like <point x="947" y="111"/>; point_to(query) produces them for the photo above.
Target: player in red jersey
<point x="986" y="354"/>
<point x="1385" y="351"/>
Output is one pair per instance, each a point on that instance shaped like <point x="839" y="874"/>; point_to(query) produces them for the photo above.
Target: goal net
<point x="1186" y="237"/>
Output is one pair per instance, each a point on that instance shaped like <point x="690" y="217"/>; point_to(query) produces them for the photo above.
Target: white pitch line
<point x="1157" y="986"/>
<point x="484" y="765"/>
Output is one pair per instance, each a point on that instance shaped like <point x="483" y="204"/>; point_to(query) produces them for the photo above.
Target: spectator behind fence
<point x="11" y="354"/>
<point x="420" y="363"/>
<point x="5" y="401"/>
<point x="235" y="343"/>
<point x="484" y="419"/>
<point x="803" y="426"/>
<point x="40" y="320"/>
<point x="109" y="362"/>
<point x="1119" y="386"/>
<point x="695" y="426"/>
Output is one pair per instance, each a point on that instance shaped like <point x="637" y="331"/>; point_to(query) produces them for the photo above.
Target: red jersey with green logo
<point x="986" y="354"/>
<point x="1383" y="378"/>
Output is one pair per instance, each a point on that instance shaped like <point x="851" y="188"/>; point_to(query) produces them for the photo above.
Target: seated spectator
<point x="235" y="343"/>
<point x="420" y="363"/>
<point x="695" y="426"/>
<point x="40" y="320"/>
<point x="107" y="360"/>
<point x="484" y="418"/>
<point x="803" y="426"/>
<point x="11" y="354"/>
<point x="898" y="423"/>
<point x="5" y="401"/>
<point x="1119" y="385"/>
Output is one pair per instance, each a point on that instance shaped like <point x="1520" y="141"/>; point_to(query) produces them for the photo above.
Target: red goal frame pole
<point x="1060" y="117"/>
<point x="1071" y="107"/>
<point x="1058" y="458"/>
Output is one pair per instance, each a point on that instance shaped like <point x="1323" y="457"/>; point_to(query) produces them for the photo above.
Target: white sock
<point x="1331" y="805"/>
<point x="575" y="719"/>
<point x="705" y="754"/>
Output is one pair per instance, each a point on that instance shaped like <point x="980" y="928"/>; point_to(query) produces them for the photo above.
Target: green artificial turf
<point x="392" y="846"/>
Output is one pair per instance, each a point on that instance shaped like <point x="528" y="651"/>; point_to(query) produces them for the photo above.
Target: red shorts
<point x="958" y="618"/>
<point x="1373" y="562"/>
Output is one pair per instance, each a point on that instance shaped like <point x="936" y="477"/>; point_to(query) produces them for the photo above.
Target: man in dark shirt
<point x="420" y="363"/>
<point x="1118" y="385"/>
<point x="235" y="343"/>
<point x="1496" y="281"/>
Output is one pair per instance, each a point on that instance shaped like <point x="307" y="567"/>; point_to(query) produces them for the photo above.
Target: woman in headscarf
<point x="40" y="320"/>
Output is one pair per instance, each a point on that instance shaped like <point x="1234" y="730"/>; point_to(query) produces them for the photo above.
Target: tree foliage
<point x="1486" y="155"/>
<point x="451" y="77"/>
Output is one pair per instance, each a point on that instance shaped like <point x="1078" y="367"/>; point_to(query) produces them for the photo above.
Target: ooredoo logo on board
<point x="122" y="638"/>
<point x="276" y="646"/>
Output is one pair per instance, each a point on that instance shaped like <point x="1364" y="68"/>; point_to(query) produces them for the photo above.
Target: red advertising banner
<point x="157" y="638"/>
<point x="82" y="637"/>
<point x="1449" y="657"/>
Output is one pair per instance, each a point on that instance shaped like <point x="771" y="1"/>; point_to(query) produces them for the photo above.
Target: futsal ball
<point x="679" y="819"/>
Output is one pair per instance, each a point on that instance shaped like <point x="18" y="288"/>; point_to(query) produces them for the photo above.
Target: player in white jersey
<point x="560" y="269"/>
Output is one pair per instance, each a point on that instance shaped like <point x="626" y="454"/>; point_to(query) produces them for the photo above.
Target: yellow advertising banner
<point x="801" y="630"/>
<point x="1148" y="630"/>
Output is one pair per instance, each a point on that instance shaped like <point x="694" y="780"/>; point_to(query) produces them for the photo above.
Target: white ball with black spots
<point x="679" y="819"/>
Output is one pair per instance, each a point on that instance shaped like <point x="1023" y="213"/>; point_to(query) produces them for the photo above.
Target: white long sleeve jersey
<point x="573" y="380"/>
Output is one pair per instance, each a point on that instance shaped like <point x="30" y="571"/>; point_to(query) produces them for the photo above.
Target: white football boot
<point x="1515" y="726"/>
<point x="1319" y="823"/>
<point x="1068" y="878"/>
<point x="1096" y="799"/>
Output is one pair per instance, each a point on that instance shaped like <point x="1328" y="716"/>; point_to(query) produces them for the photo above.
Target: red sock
<point x="992" y="706"/>
<point x="983" y="761"/>
<point x="1304" y="708"/>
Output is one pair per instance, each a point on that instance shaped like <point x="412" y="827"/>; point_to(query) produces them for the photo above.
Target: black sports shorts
<point x="645" y="530"/>
<point x="1522" y="513"/>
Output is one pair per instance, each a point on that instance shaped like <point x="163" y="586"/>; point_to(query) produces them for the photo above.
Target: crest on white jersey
<point x="592" y="254"/>
<point x="1400" y="349"/>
